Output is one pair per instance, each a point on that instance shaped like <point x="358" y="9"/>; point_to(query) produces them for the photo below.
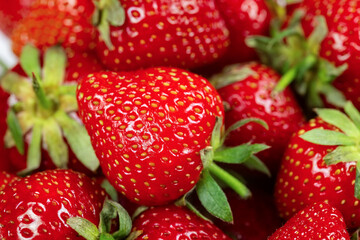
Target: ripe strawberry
<point x="6" y="179"/>
<point x="55" y="151"/>
<point x="318" y="51"/>
<point x="11" y="12"/>
<point x="247" y="91"/>
<point x="39" y="205"/>
<point x="173" y="222"/>
<point x="165" y="33"/>
<point x="305" y="177"/>
<point x="147" y="129"/>
<point x="52" y="22"/>
<point x="317" y="221"/>
<point x="243" y="18"/>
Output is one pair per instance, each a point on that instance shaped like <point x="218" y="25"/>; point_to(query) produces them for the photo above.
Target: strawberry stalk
<point x="347" y="140"/>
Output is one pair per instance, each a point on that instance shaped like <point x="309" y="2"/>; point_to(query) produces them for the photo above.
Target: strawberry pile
<point x="177" y="119"/>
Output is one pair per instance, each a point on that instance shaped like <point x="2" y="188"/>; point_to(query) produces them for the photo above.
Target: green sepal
<point x="108" y="13"/>
<point x="255" y="163"/>
<point x="327" y="138"/>
<point x="357" y="180"/>
<point x="238" y="154"/>
<point x="84" y="228"/>
<point x="134" y="235"/>
<point x="30" y="61"/>
<point x="56" y="146"/>
<point x="111" y="209"/>
<point x="78" y="140"/>
<point x="339" y="120"/>
<point x="242" y="122"/>
<point x="33" y="159"/>
<point x="332" y="95"/>
<point x="213" y="198"/>
<point x="15" y="84"/>
<point x="216" y="140"/>
<point x="39" y="91"/>
<point x="110" y="190"/>
<point x="231" y="74"/>
<point x="106" y="236"/>
<point x="318" y="34"/>
<point x="343" y="154"/>
<point x="15" y="130"/>
<point x="54" y="66"/>
<point x="3" y="68"/>
<point x="355" y="235"/>
<point x="353" y="113"/>
<point x="138" y="211"/>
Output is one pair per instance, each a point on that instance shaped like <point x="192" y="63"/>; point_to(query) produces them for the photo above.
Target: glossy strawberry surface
<point x="11" y="12"/>
<point x="341" y="44"/>
<point x="37" y="206"/>
<point x="172" y="222"/>
<point x="148" y="127"/>
<point x="6" y="179"/>
<point x="181" y="33"/>
<point x="318" y="221"/>
<point x="304" y="178"/>
<point x="253" y="97"/>
<point x="54" y="22"/>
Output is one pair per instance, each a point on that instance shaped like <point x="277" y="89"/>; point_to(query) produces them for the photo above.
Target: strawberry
<point x="318" y="51"/>
<point x="157" y="133"/>
<point x="243" y="18"/>
<point x="247" y="91"/>
<point x="39" y="205"/>
<point x="318" y="167"/>
<point x="317" y="221"/>
<point x="11" y="13"/>
<point x="173" y="222"/>
<point x="52" y="22"/>
<point x="164" y="33"/>
<point x="6" y="179"/>
<point x="50" y="149"/>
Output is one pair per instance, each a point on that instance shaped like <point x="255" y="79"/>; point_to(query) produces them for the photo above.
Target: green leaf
<point x="327" y="137"/>
<point x="134" y="235"/>
<point x="353" y="113"/>
<point x="355" y="235"/>
<point x="333" y="95"/>
<point x="106" y="236"/>
<point x="245" y="121"/>
<point x="357" y="180"/>
<point x="30" y="61"/>
<point x="213" y="198"/>
<point x="15" y="130"/>
<point x="194" y="210"/>
<point x="342" y="154"/>
<point x="339" y="120"/>
<point x="33" y="159"/>
<point x="216" y="133"/>
<point x="56" y="146"/>
<point x="207" y="156"/>
<point x="54" y="66"/>
<point x="231" y="74"/>
<point x="255" y="163"/>
<point x="44" y="101"/>
<point x="78" y="140"/>
<point x="125" y="222"/>
<point x="238" y="154"/>
<point x="15" y="84"/>
<point x="109" y="189"/>
<point x="318" y="35"/>
<point x="84" y="228"/>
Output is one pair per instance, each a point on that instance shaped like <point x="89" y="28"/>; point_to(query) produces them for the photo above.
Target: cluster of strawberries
<point x="152" y="107"/>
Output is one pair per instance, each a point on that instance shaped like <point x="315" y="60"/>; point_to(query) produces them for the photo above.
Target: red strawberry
<point x="147" y="129"/>
<point x="305" y="178"/>
<point x="243" y="18"/>
<point x="52" y="22"/>
<point x="55" y="153"/>
<point x="247" y="91"/>
<point x="6" y="179"/>
<point x="11" y="12"/>
<point x="181" y="33"/>
<point x="174" y="222"/>
<point x="318" y="221"/>
<point x="39" y="205"/>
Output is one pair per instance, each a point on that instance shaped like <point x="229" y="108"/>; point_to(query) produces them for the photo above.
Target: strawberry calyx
<point x="297" y="58"/>
<point x="42" y="108"/>
<point x="231" y="74"/>
<point x="108" y="13"/>
<point x="347" y="139"/>
<point x="208" y="190"/>
<point x="111" y="210"/>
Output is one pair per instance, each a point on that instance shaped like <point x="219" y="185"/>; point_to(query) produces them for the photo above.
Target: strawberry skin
<point x="6" y="179"/>
<point x="172" y="222"/>
<point x="11" y="12"/>
<point x="165" y="33"/>
<point x="304" y="178"/>
<point x="253" y="97"/>
<point x="38" y="205"/>
<point x="317" y="221"/>
<point x="54" y="22"/>
<point x="148" y="127"/>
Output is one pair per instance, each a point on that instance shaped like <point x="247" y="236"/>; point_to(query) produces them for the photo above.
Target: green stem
<point x="230" y="180"/>
<point x="286" y="79"/>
